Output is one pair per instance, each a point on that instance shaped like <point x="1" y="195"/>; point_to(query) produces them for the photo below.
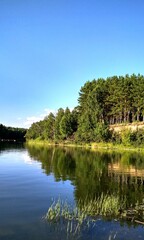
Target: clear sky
<point x="50" y="48"/>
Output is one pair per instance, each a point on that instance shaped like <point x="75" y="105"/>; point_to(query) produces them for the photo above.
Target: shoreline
<point x="91" y="146"/>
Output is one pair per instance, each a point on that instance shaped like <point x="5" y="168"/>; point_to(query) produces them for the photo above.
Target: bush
<point x="129" y="138"/>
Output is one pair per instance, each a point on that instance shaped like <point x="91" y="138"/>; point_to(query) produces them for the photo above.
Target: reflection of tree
<point x="43" y="155"/>
<point x="93" y="172"/>
<point x="10" y="146"/>
<point x="63" y="165"/>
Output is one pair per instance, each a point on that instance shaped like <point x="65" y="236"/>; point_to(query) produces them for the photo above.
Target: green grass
<point x="66" y="215"/>
<point x="93" y="145"/>
<point x="104" y="205"/>
<point x="86" y="213"/>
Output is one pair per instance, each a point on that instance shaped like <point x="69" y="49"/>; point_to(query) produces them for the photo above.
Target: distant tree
<point x="66" y="124"/>
<point x="58" y="118"/>
<point x="49" y="124"/>
<point x="11" y="133"/>
<point x="74" y="119"/>
<point x="35" y="131"/>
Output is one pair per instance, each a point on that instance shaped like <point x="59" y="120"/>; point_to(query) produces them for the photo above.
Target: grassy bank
<point x="92" y="146"/>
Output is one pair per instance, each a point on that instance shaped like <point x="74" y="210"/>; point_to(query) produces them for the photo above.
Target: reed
<point x="84" y="214"/>
<point x="104" y="205"/>
<point x="87" y="212"/>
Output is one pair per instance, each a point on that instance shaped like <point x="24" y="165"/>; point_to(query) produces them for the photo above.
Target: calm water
<point x="30" y="178"/>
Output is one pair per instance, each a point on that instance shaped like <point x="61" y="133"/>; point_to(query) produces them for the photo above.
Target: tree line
<point x="101" y="102"/>
<point x="11" y="133"/>
<point x="60" y="127"/>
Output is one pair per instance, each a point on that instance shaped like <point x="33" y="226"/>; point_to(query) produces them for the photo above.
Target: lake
<point x="32" y="178"/>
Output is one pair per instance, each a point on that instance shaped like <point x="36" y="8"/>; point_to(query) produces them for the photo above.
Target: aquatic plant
<point x="87" y="212"/>
<point x="67" y="215"/>
<point x="104" y="205"/>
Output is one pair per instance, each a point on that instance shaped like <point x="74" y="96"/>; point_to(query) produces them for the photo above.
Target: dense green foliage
<point x="57" y="128"/>
<point x="129" y="138"/>
<point x="11" y="133"/>
<point x="102" y="102"/>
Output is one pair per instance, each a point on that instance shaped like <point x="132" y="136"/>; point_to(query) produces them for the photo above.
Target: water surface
<point x="30" y="178"/>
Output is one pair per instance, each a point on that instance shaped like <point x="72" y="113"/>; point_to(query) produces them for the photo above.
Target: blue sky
<point x="50" y="48"/>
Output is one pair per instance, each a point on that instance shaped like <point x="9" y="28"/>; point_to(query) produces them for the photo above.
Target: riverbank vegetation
<point x="101" y="102"/>
<point x="12" y="134"/>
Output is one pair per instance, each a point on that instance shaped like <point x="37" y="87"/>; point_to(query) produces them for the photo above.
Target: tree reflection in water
<point x="93" y="173"/>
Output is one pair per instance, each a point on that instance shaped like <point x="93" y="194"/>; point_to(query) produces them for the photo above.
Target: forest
<point x="101" y="102"/>
<point x="12" y="134"/>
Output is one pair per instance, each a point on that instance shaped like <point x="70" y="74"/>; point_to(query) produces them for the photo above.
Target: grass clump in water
<point x="69" y="217"/>
<point x="85" y="214"/>
<point x="104" y="205"/>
